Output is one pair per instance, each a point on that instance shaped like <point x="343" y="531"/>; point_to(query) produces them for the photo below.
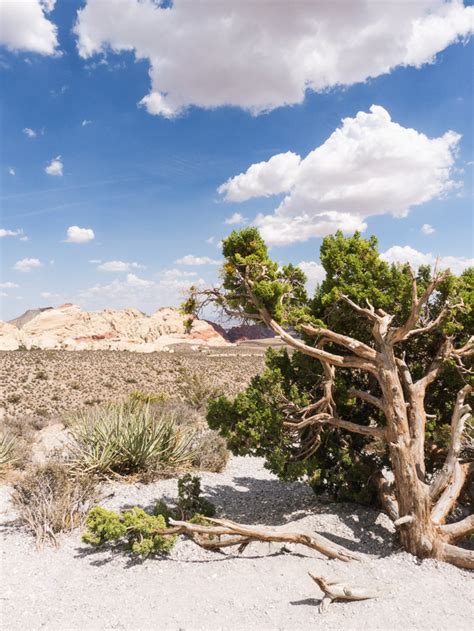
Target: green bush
<point x="137" y="396"/>
<point x="144" y="532"/>
<point x="196" y="389"/>
<point x="123" y="439"/>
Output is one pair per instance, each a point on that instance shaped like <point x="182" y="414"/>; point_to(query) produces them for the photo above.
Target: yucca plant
<point x="127" y="438"/>
<point x="7" y="451"/>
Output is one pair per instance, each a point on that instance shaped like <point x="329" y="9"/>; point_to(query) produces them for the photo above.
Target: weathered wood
<point x="337" y="590"/>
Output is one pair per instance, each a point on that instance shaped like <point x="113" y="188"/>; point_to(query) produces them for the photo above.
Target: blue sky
<point x="141" y="184"/>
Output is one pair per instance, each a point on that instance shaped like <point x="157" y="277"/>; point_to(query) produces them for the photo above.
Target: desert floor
<point x="76" y="587"/>
<point x="49" y="384"/>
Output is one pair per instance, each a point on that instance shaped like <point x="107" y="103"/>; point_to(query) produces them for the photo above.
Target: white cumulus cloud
<point x="25" y="27"/>
<point x="26" y="265"/>
<point x="79" y="235"/>
<point x="8" y="285"/>
<point x="235" y="219"/>
<point x="315" y="274"/>
<point x="29" y="132"/>
<point x="427" y="228"/>
<point x="11" y="171"/>
<point x="168" y="289"/>
<point x="407" y="254"/>
<point x="55" y="167"/>
<point x="369" y="166"/>
<point x="263" y="55"/>
<point x="86" y="122"/>
<point x="12" y="233"/>
<point x="118" y="266"/>
<point x="190" y="259"/>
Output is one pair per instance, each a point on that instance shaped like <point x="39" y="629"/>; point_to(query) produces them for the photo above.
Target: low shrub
<point x="210" y="452"/>
<point x="137" y="396"/>
<point x="50" y="500"/>
<point x="122" y="439"/>
<point x="196" y="389"/>
<point x="144" y="532"/>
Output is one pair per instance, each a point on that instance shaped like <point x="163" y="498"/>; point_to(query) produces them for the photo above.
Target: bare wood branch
<point x="342" y="361"/>
<point x="358" y="348"/>
<point x="458" y="420"/>
<point x="324" y="418"/>
<point x="387" y="497"/>
<point x="336" y="590"/>
<point x="459" y="529"/>
<point x="251" y="533"/>
<point x="458" y="556"/>
<point x="450" y="494"/>
<point x="368" y="313"/>
<point x="369" y="398"/>
<point x="409" y="327"/>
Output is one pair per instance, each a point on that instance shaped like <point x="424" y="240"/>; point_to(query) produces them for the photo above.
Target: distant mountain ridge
<point x="69" y="327"/>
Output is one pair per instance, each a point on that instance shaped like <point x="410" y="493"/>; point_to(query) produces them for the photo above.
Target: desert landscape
<point x="236" y="315"/>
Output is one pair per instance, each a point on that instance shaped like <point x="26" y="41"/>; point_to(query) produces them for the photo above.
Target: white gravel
<point x="75" y="587"/>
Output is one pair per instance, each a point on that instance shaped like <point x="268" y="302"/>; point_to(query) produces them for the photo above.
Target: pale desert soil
<point x="49" y="384"/>
<point x="82" y="589"/>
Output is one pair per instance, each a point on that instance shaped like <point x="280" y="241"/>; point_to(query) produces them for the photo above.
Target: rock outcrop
<point x="69" y="327"/>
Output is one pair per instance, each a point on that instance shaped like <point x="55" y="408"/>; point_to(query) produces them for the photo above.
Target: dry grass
<point x="49" y="500"/>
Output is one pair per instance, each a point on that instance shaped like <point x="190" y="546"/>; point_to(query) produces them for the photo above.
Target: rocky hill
<point x="69" y="327"/>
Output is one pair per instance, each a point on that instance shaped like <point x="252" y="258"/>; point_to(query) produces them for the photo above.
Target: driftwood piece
<point x="337" y="590"/>
<point x="210" y="537"/>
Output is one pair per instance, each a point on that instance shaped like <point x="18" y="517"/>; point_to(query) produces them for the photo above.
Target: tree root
<point x="209" y="537"/>
<point x="335" y="590"/>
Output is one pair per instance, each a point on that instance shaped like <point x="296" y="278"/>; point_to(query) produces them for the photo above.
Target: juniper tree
<point x="373" y="393"/>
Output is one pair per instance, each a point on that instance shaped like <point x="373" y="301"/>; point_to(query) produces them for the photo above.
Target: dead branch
<point x="336" y="590"/>
<point x="459" y="529"/>
<point x="458" y="556"/>
<point x="366" y="396"/>
<point x="246" y="534"/>
<point x="461" y="414"/>
<point x="358" y="348"/>
<point x="417" y="304"/>
<point x="387" y="497"/>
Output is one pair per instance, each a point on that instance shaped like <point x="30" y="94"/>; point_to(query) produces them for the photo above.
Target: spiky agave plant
<point x="7" y="451"/>
<point x="122" y="439"/>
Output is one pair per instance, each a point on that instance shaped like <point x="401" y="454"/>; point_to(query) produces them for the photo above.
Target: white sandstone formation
<point x="69" y="327"/>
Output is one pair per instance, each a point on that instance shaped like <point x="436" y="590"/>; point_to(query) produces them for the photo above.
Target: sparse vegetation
<point x="197" y="389"/>
<point x="143" y="531"/>
<point x="137" y="396"/>
<point x="50" y="500"/>
<point x="128" y="438"/>
<point x="210" y="452"/>
<point x="8" y="451"/>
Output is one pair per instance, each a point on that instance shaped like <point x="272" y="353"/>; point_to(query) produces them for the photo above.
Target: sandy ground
<point x="76" y="587"/>
<point x="51" y="384"/>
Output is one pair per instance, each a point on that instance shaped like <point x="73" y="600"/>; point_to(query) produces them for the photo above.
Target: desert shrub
<point x="190" y="501"/>
<point x="50" y="500"/>
<point x="22" y="431"/>
<point x="210" y="452"/>
<point x="137" y="396"/>
<point x="8" y="451"/>
<point x="41" y="375"/>
<point x="136" y="526"/>
<point x="14" y="398"/>
<point x="196" y="389"/>
<point x="142" y="531"/>
<point x="127" y="438"/>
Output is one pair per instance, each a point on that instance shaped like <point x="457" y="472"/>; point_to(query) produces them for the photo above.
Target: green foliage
<point x="146" y="534"/>
<point x="252" y="423"/>
<point x="196" y="389"/>
<point x="141" y="530"/>
<point x="127" y="438"/>
<point x="190" y="500"/>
